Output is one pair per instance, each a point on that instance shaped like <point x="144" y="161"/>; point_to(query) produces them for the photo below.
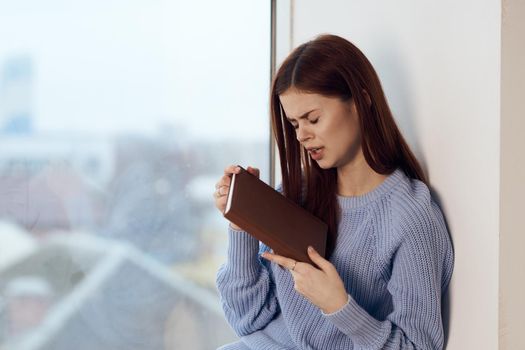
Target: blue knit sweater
<point x="395" y="257"/>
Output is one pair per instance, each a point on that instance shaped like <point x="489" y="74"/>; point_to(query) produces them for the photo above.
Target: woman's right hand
<point x="222" y="188"/>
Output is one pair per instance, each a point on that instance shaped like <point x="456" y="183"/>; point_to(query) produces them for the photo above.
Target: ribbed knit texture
<point x="395" y="257"/>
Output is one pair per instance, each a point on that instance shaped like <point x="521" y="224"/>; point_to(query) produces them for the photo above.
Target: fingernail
<point x="237" y="168"/>
<point x="310" y="249"/>
<point x="264" y="255"/>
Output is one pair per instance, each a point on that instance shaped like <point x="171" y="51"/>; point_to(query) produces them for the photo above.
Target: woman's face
<point x="325" y="123"/>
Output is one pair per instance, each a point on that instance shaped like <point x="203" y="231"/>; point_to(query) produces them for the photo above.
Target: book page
<point x="230" y="194"/>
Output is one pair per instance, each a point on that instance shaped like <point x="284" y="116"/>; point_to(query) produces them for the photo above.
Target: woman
<point x="389" y="257"/>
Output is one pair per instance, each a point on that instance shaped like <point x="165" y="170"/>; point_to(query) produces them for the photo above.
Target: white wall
<point x="512" y="234"/>
<point x="440" y="66"/>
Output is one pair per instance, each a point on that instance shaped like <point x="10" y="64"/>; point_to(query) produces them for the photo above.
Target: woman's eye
<point x="296" y="126"/>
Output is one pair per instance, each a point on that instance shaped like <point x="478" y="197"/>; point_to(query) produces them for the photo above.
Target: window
<point x="116" y="120"/>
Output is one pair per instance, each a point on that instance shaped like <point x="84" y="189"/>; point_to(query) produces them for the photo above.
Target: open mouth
<point x="316" y="153"/>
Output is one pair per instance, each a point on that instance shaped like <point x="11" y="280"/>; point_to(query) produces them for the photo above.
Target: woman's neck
<point x="357" y="178"/>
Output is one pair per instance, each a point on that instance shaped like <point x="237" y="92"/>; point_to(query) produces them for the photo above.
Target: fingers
<point x="223" y="182"/>
<point x="287" y="263"/>
<point x="226" y="179"/>
<point x="253" y="171"/>
<point x="232" y="169"/>
<point x="222" y="187"/>
<point x="220" y="191"/>
<point x="321" y="262"/>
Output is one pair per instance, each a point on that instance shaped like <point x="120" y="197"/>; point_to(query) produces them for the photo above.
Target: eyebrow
<point x="303" y="116"/>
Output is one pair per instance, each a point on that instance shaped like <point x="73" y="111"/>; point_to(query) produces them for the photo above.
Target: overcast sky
<point x="120" y="66"/>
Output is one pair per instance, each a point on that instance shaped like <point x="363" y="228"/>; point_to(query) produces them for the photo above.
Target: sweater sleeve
<point x="415" y="286"/>
<point x="245" y="286"/>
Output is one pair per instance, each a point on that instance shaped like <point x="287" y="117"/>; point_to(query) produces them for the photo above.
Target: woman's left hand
<point x="321" y="285"/>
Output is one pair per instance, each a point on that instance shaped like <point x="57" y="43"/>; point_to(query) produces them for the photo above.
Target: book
<point x="281" y="224"/>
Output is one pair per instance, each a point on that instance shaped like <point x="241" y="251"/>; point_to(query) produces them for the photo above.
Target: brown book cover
<point x="274" y="219"/>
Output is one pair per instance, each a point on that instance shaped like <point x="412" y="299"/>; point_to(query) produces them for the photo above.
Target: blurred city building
<point x="83" y="292"/>
<point x="16" y="95"/>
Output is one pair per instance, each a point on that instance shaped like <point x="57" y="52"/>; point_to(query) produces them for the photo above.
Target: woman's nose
<point x="302" y="134"/>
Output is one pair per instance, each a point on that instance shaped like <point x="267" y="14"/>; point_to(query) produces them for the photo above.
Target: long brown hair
<point x="332" y="66"/>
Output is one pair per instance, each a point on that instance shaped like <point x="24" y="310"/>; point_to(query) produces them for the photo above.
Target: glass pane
<point x="117" y="118"/>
